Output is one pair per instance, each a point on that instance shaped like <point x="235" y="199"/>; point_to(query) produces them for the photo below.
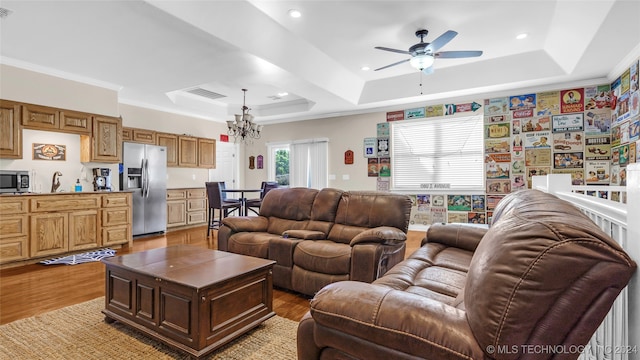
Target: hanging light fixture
<point x="243" y="127"/>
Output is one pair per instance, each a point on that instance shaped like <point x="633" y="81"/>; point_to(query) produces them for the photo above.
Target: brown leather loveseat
<point x="318" y="237"/>
<point x="535" y="285"/>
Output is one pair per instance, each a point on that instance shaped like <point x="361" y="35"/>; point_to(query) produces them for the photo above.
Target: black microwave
<point x="14" y="181"/>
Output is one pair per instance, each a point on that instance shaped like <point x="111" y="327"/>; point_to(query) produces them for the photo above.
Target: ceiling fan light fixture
<point x="421" y="62"/>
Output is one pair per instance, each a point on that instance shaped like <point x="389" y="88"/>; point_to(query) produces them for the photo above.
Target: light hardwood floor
<point x="35" y="289"/>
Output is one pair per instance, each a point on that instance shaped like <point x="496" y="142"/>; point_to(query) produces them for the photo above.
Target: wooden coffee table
<point x="190" y="298"/>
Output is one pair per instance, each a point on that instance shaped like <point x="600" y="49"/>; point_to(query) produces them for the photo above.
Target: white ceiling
<point x="152" y="51"/>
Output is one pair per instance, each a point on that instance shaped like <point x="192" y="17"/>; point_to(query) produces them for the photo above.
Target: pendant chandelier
<point x="244" y="127"/>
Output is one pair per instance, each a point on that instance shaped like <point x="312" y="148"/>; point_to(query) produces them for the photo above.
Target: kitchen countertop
<point x="67" y="193"/>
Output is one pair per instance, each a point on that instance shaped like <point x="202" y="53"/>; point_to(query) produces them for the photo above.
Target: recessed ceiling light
<point x="281" y="94"/>
<point x="521" y="36"/>
<point x="365" y="68"/>
<point x="295" y="13"/>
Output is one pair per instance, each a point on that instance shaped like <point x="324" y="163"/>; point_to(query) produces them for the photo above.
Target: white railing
<point x="618" y="337"/>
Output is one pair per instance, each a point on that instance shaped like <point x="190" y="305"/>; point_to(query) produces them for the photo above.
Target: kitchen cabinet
<point x="14" y="229"/>
<point x="142" y="136"/>
<point x="176" y="207"/>
<point x="116" y="218"/>
<point x="105" y="144"/>
<point x="47" y="225"/>
<point x="171" y="142"/>
<point x="187" y="151"/>
<point x="76" y="122"/>
<point x="206" y="153"/>
<point x="47" y="118"/>
<point x="10" y="130"/>
<point x="186" y="207"/>
<point x="62" y="223"/>
<point x="196" y="206"/>
<point x="39" y="117"/>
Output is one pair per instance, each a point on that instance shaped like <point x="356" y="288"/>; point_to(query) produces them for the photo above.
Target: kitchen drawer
<point x="196" y="217"/>
<point x="196" y="193"/>
<point x="115" y="200"/>
<point x="176" y="194"/>
<point x="196" y="204"/>
<point x="64" y="202"/>
<point x="12" y="249"/>
<point x="11" y="226"/>
<point x="116" y="235"/>
<point x="13" y="205"/>
<point x="115" y="216"/>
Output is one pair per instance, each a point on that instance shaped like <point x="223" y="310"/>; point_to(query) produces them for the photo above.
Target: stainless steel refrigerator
<point x="144" y="172"/>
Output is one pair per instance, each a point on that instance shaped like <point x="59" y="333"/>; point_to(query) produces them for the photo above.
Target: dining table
<point x="242" y="197"/>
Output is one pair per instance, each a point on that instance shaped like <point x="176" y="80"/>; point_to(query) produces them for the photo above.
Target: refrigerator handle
<point x="143" y="180"/>
<point x="146" y="170"/>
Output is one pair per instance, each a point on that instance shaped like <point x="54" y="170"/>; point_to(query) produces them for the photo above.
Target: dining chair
<point x="218" y="200"/>
<point x="252" y="204"/>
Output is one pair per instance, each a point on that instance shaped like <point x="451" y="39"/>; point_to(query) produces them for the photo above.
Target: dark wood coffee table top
<point x="191" y="266"/>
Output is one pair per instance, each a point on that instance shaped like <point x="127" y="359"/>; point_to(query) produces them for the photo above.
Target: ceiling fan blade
<point x="393" y="50"/>
<point x="441" y="41"/>
<point x="457" y="54"/>
<point x="428" y="70"/>
<point x="394" y="64"/>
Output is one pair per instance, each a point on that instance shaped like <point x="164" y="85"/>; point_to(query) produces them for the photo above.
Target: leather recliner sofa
<point x="318" y="237"/>
<point x="534" y="285"/>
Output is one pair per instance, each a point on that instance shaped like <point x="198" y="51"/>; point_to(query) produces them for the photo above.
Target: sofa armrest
<point x="381" y="234"/>
<point x="305" y="234"/>
<point x="392" y="319"/>
<point x="246" y="223"/>
<point x="463" y="236"/>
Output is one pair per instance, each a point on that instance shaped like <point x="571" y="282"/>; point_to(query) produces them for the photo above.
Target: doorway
<point x="226" y="164"/>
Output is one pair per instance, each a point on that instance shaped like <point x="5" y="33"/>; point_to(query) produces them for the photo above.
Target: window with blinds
<point x="438" y="153"/>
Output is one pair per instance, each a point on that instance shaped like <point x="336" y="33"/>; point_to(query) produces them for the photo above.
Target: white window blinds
<point x="438" y="151"/>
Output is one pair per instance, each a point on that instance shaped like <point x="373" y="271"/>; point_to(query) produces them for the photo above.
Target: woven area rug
<point x="79" y="332"/>
<point x="81" y="258"/>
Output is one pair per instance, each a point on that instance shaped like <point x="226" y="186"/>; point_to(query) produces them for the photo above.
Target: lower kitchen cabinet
<point x="35" y="226"/>
<point x="186" y="206"/>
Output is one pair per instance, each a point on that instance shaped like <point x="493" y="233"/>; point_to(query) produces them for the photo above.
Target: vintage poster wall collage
<point x="591" y="133"/>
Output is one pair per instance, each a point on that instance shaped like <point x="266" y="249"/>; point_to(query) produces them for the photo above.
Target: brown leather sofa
<point x="535" y="285"/>
<point x="318" y="237"/>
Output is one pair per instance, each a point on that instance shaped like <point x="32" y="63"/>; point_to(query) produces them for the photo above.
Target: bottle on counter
<point x="78" y="187"/>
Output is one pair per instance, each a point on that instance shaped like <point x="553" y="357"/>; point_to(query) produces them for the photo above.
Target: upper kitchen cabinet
<point x="105" y="144"/>
<point x="142" y="136"/>
<point x="46" y="118"/>
<point x="171" y="142"/>
<point x="206" y="153"/>
<point x="40" y="117"/>
<point x="10" y="131"/>
<point x="76" y="122"/>
<point x="187" y="151"/>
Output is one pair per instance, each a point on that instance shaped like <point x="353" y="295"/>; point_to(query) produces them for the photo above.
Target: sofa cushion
<point x="366" y="209"/>
<point x="291" y="203"/>
<point x="323" y="256"/>
<point x="434" y="271"/>
<point x="251" y="243"/>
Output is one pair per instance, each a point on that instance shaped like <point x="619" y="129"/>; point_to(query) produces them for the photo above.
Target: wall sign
<point x="49" y="152"/>
<point x="252" y="162"/>
<point x="260" y="162"/>
<point x="348" y="157"/>
<point x="370" y="145"/>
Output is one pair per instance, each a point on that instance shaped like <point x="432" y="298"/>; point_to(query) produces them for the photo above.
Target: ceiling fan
<point x="423" y="54"/>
